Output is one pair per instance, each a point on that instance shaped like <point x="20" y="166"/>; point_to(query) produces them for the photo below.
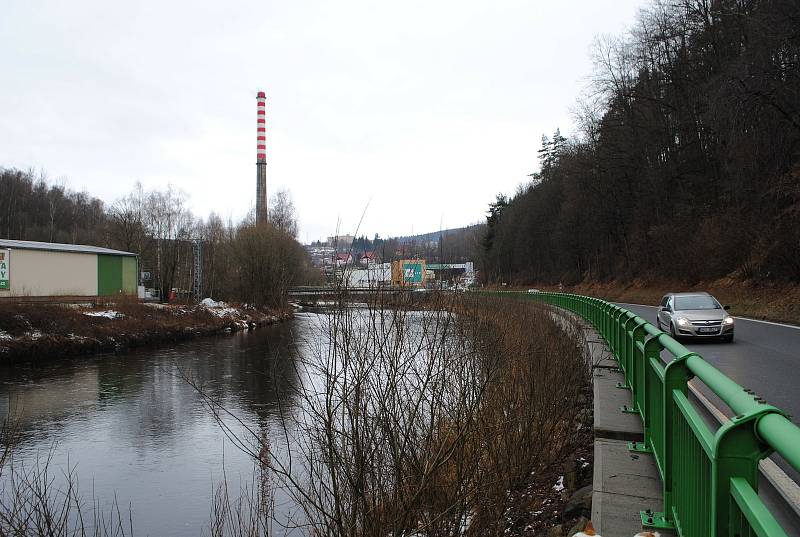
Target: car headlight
<point x="728" y="320"/>
<point x="682" y="322"/>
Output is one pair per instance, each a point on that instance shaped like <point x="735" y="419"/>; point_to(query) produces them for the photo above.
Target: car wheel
<point x="672" y="332"/>
<point x="658" y="323"/>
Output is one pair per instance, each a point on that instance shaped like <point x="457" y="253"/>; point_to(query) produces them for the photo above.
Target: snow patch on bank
<point x="219" y="309"/>
<point x="108" y="314"/>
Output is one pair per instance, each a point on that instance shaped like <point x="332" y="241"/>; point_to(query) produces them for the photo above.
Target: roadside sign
<point x="5" y="269"/>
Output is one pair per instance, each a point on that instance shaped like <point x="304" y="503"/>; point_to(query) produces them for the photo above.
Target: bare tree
<point x="282" y="213"/>
<point x="170" y="224"/>
<point x="127" y="225"/>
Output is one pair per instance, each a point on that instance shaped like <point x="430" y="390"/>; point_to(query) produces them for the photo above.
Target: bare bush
<point x="427" y="422"/>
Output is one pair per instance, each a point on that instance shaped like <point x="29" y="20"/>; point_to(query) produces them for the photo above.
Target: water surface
<point x="130" y="424"/>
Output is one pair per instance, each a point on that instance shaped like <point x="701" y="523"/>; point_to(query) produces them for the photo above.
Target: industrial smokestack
<point x="261" y="159"/>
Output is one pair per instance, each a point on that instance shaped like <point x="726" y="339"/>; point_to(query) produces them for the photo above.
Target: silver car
<point x="694" y="315"/>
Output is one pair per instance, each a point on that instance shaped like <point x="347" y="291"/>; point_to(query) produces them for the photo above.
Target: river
<point x="130" y="425"/>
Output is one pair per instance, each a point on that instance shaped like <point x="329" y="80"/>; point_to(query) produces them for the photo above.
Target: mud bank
<point x="43" y="332"/>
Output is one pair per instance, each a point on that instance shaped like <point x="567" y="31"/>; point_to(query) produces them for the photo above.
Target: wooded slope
<point x="687" y="164"/>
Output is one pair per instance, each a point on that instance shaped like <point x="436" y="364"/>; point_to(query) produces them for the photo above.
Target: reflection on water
<point x="131" y="425"/>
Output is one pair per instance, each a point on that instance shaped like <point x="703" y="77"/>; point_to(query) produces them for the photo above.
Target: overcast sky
<point x="423" y="110"/>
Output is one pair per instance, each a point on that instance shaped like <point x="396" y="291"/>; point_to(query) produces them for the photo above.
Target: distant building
<point x="376" y="276"/>
<point x="459" y="274"/>
<point x="52" y="271"/>
<point x="343" y="259"/>
<point x="368" y="259"/>
<point x="340" y="241"/>
<point x="321" y="255"/>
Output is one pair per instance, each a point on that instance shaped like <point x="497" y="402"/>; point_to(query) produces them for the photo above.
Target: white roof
<point x="56" y="247"/>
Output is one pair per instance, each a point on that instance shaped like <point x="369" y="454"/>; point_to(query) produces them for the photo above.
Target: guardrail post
<point x="652" y="349"/>
<point x="607" y="323"/>
<point x="737" y="450"/>
<point x="613" y="331"/>
<point x="619" y="330"/>
<point x="676" y="377"/>
<point x="626" y="350"/>
<point x="616" y="331"/>
<point x="598" y="316"/>
<point x="637" y="364"/>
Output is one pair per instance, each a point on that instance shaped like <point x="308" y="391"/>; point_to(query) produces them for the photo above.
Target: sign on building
<point x="412" y="272"/>
<point x="5" y="269"/>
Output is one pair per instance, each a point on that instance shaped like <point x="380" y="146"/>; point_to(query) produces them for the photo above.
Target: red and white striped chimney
<point x="261" y="136"/>
<point x="261" y="158"/>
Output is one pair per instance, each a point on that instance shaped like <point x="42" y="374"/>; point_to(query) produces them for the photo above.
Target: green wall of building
<point x="116" y="274"/>
<point x="129" y="272"/>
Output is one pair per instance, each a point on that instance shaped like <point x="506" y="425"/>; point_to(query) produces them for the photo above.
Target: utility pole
<point x="197" y="273"/>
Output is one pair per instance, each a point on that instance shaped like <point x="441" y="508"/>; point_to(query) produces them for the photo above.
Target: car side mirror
<point x="664" y="308"/>
<point x="726" y="308"/>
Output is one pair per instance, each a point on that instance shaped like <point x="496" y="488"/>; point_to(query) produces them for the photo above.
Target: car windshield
<point x="696" y="302"/>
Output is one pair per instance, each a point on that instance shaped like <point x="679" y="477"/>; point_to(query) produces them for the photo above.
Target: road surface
<point x="764" y="357"/>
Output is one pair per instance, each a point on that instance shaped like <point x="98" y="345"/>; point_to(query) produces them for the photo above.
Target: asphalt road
<point x="764" y="357"/>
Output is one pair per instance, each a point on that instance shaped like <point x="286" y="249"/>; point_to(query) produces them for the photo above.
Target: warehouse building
<point x="50" y="270"/>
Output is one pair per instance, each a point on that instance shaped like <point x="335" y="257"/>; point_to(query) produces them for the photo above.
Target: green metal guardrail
<point x="709" y="478"/>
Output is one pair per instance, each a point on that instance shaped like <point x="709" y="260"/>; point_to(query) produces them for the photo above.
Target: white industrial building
<point x="369" y="278"/>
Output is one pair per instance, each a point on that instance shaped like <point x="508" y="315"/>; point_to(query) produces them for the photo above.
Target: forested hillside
<point x="686" y="165"/>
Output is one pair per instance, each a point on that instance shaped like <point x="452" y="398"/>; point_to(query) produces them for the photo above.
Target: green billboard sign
<point x="5" y="268"/>
<point x="412" y="272"/>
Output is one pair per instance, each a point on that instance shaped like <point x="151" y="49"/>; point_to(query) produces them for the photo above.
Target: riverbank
<point x="42" y="332"/>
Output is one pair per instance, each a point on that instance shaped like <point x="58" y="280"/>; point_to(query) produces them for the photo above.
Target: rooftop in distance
<point x="54" y="246"/>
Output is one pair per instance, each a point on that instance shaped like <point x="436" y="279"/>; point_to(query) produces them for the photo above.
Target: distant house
<point x="343" y="259"/>
<point x="368" y="259"/>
